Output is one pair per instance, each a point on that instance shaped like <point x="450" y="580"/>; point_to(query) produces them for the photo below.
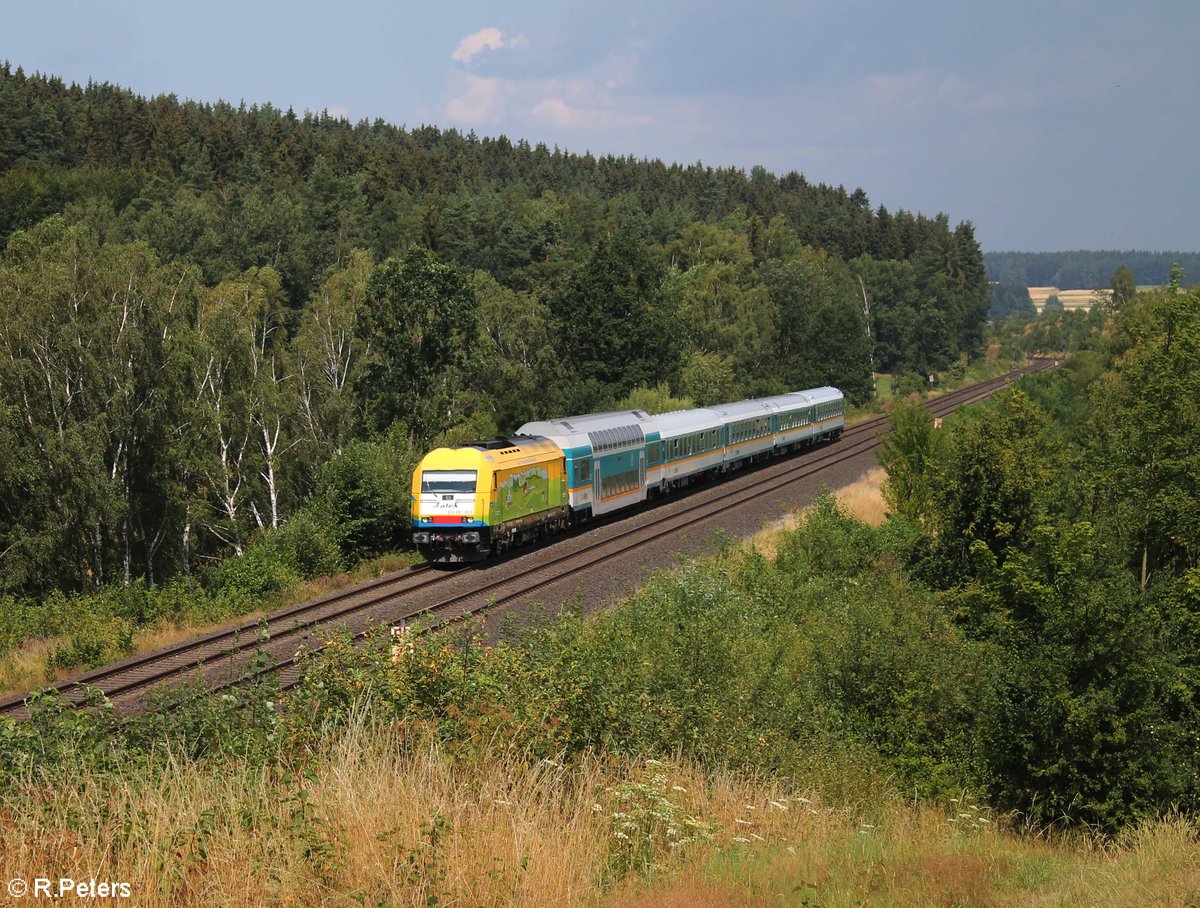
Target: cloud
<point x="575" y="105"/>
<point x="558" y="112"/>
<point x="481" y="102"/>
<point x="485" y="39"/>
<point x="585" y="102"/>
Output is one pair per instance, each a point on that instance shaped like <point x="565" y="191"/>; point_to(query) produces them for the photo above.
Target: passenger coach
<point x="608" y="456"/>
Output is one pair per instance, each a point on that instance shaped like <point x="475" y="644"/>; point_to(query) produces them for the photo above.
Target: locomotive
<point x="482" y="498"/>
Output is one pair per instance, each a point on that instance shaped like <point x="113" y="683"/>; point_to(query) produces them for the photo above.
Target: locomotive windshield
<point x="448" y="481"/>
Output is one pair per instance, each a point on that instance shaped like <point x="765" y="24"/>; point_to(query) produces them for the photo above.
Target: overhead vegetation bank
<point x="217" y="319"/>
<point x="1061" y="526"/>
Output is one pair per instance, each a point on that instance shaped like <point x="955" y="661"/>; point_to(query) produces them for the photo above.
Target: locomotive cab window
<point x="437" y="482"/>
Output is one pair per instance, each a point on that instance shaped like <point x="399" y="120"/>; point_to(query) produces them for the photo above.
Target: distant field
<point x="1071" y="299"/>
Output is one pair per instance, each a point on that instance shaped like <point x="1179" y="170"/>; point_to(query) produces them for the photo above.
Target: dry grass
<point x="26" y="666"/>
<point x="901" y="855"/>
<point x="863" y="499"/>
<point x="359" y="829"/>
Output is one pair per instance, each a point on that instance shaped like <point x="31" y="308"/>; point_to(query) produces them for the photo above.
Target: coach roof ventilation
<point x="616" y="437"/>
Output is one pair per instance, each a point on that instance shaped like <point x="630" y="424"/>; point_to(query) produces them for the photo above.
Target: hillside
<point x="278" y="314"/>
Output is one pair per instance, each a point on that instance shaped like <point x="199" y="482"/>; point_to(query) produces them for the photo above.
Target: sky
<point x="1056" y="124"/>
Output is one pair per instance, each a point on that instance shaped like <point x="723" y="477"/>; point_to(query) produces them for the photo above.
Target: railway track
<point x="231" y="656"/>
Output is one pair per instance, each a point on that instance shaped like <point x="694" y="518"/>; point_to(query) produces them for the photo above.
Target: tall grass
<point x="386" y="815"/>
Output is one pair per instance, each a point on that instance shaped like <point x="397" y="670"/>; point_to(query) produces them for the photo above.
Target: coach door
<point x="597" y="488"/>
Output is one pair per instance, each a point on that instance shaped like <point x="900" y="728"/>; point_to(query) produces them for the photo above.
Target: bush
<point x="830" y="663"/>
<point x="364" y="494"/>
<point x="306" y="543"/>
<point x="261" y="569"/>
<point x="910" y="383"/>
<point x="95" y="638"/>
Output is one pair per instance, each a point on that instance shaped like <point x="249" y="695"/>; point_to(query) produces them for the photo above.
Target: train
<point x="481" y="499"/>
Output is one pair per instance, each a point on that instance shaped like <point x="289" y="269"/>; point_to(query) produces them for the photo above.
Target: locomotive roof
<point x="522" y="452"/>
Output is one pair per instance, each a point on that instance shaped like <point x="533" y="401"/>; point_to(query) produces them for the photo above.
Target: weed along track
<point x="425" y="598"/>
<point x="233" y="646"/>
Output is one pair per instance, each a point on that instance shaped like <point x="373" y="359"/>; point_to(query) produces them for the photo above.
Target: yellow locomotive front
<point x="480" y="499"/>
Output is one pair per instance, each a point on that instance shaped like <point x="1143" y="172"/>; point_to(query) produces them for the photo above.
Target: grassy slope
<point x="389" y="818"/>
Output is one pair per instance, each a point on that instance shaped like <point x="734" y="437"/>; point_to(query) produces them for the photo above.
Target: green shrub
<point x="95" y="638"/>
<point x="306" y="544"/>
<point x="364" y="493"/>
<point x="261" y="569"/>
<point x="910" y="383"/>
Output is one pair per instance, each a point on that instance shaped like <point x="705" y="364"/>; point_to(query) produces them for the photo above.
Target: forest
<point x="1085" y="269"/>
<point x="216" y="318"/>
